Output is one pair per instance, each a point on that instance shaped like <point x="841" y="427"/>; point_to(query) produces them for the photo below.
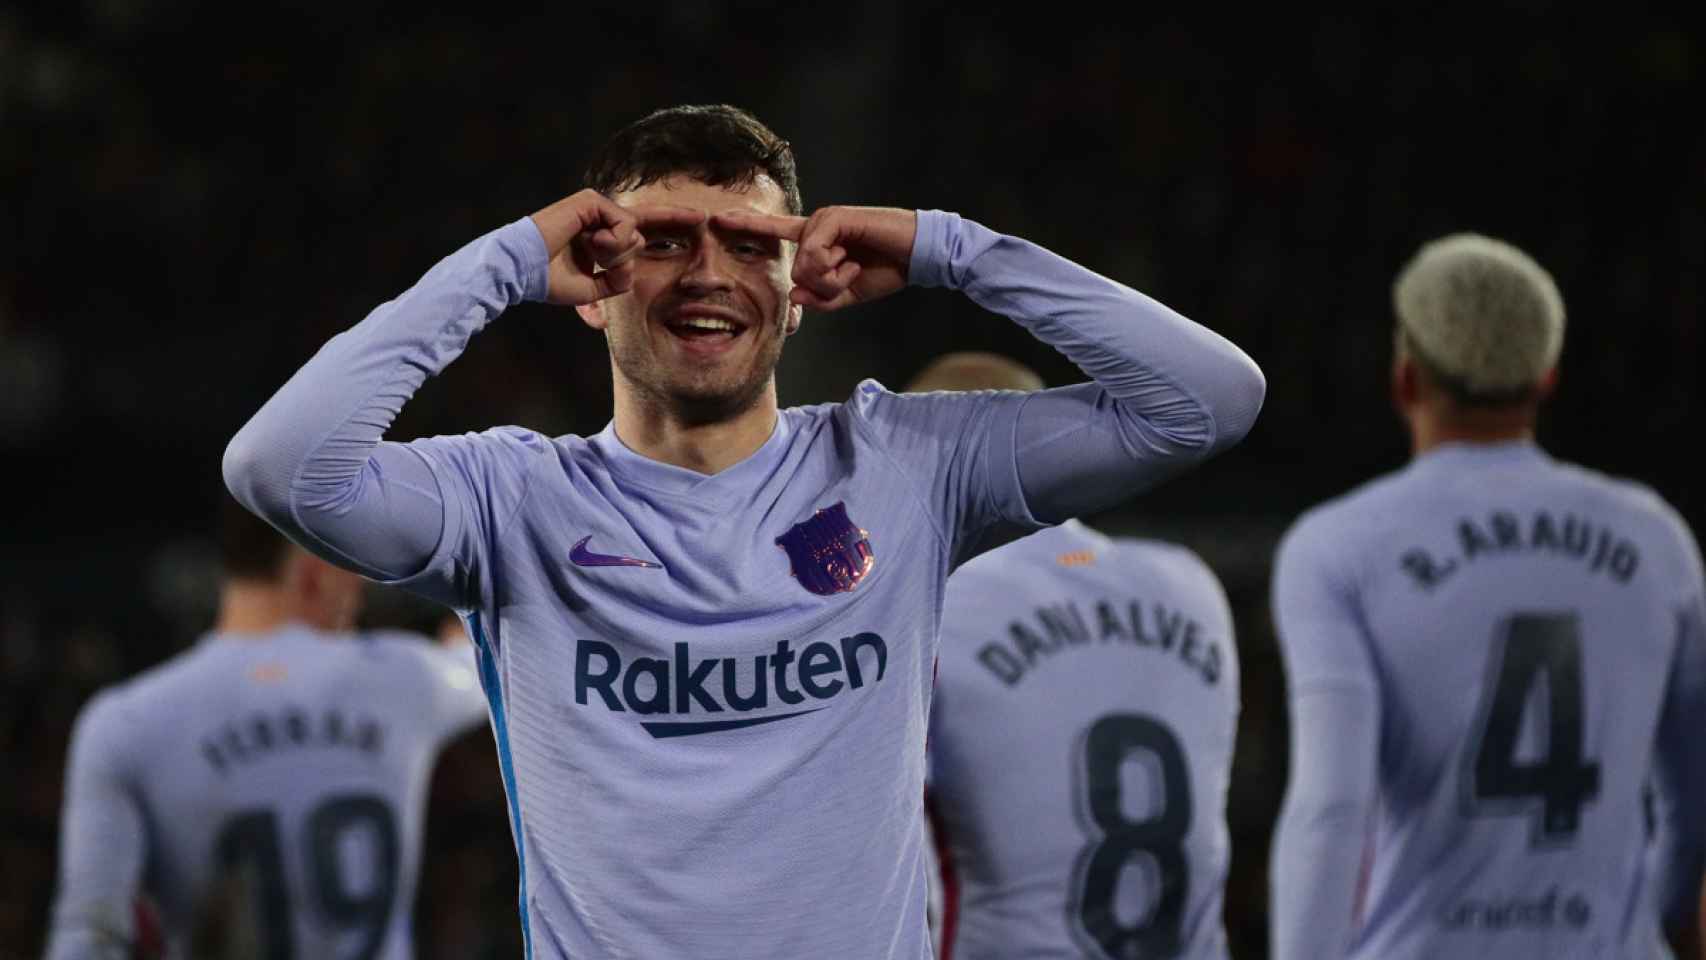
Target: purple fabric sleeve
<point x="102" y="841"/>
<point x="1335" y="727"/>
<point x="311" y="460"/>
<point x="1167" y="392"/>
<point x="1679" y="763"/>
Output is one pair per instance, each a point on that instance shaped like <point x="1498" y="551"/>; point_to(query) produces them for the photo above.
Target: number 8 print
<point x="1111" y="742"/>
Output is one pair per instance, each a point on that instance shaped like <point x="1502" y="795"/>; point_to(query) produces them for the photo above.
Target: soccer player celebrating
<point x="281" y="759"/>
<point x="707" y="632"/>
<point x="1487" y="652"/>
<point x="1081" y="739"/>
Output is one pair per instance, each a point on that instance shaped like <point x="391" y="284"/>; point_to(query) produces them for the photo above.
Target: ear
<point x="795" y="314"/>
<point x="303" y="585"/>
<point x="304" y="574"/>
<point x="1406" y="386"/>
<point x="1548" y="383"/>
<point x="296" y="572"/>
<point x="593" y="315"/>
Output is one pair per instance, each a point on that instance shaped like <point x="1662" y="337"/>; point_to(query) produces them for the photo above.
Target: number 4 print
<point x="1535" y="647"/>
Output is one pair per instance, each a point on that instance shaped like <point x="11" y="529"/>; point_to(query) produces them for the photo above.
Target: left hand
<point x="846" y="255"/>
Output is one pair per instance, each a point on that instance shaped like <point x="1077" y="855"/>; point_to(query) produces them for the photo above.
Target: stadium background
<point x="193" y="196"/>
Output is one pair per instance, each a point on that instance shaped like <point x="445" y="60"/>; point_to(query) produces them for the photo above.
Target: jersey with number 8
<point x="1529" y="632"/>
<point x="1080" y="745"/>
<point x="283" y="777"/>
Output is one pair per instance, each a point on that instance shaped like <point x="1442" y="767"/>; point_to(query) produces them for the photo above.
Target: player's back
<point x="291" y="769"/>
<point x="1520" y="616"/>
<point x="1081" y="738"/>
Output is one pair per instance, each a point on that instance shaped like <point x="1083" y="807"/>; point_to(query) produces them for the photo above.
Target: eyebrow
<point x="736" y="232"/>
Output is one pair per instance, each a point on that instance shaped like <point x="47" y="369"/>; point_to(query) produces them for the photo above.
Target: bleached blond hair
<point x="1480" y="313"/>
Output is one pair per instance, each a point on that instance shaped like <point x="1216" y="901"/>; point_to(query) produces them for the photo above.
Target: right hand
<point x="591" y="241"/>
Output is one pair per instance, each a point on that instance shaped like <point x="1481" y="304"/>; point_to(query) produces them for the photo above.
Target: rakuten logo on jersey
<point x="682" y="686"/>
<point x="1552" y="909"/>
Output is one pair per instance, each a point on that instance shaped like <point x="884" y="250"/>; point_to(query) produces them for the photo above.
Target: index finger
<point x="762" y="224"/>
<point x="653" y="216"/>
<point x="601" y="212"/>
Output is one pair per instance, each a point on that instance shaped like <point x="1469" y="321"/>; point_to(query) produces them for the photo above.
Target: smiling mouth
<point x="697" y="326"/>
<point x="703" y="330"/>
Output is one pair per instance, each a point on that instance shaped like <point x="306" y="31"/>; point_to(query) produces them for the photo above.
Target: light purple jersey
<point x="711" y="692"/>
<point x="1488" y="654"/>
<point x="1080" y="746"/>
<point x="295" y="763"/>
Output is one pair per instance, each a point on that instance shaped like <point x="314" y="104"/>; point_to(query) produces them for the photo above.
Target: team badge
<point x="828" y="553"/>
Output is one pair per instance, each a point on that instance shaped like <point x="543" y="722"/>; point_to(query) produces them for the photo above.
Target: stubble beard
<point x="695" y="397"/>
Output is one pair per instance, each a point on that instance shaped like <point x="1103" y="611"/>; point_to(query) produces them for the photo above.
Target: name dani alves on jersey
<point x="1063" y="627"/>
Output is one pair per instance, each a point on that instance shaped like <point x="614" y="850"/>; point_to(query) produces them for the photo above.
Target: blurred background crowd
<point x="194" y="196"/>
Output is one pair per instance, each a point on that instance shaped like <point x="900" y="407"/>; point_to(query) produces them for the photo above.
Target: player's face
<point x="699" y="333"/>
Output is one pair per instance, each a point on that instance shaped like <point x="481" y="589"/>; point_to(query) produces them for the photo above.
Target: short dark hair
<point x="718" y="145"/>
<point x="249" y="548"/>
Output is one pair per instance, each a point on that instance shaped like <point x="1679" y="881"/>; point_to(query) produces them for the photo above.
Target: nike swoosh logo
<point x="663" y="731"/>
<point x="582" y="557"/>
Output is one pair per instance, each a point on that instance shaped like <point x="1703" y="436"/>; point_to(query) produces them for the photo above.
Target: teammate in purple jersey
<point x="1081" y="738"/>
<point x="1488" y="653"/>
<point x="707" y="632"/>
<point x="267" y="786"/>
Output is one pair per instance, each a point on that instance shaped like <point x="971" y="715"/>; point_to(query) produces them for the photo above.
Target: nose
<point x="709" y="270"/>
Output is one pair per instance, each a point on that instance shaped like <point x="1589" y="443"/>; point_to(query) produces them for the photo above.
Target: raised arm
<point x="312" y="460"/>
<point x="1166" y="392"/>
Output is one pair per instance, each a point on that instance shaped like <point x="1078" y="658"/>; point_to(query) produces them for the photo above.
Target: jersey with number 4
<point x="289" y="771"/>
<point x="1522" y="622"/>
<point x="1080" y="745"/>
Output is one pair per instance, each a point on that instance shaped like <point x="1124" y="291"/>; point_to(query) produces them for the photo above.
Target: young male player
<point x="280" y="767"/>
<point x="708" y="631"/>
<point x="1081" y="739"/>
<point x="1487" y="651"/>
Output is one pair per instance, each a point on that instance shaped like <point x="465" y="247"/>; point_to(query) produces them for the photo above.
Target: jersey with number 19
<point x="293" y="767"/>
<point x="1529" y="632"/>
<point x="1080" y="747"/>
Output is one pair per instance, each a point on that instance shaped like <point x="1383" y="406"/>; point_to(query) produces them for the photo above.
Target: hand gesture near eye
<point x="846" y="255"/>
<point x="591" y="241"/>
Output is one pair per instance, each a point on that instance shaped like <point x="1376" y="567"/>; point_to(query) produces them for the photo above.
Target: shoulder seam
<point x="533" y="468"/>
<point x="855" y="417"/>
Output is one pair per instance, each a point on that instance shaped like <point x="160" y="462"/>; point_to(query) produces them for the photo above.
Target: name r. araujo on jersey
<point x="827" y="554"/>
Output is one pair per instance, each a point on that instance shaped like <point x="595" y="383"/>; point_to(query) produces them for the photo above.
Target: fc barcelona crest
<point x="829" y="553"/>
